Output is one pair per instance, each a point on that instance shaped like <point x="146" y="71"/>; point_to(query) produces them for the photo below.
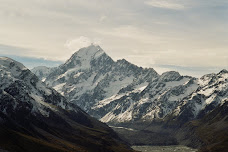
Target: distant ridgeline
<point x="141" y="105"/>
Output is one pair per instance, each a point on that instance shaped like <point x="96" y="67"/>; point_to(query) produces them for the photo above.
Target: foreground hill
<point x="36" y="118"/>
<point x="211" y="131"/>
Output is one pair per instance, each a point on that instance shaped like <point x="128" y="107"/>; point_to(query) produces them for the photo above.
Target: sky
<point x="189" y="36"/>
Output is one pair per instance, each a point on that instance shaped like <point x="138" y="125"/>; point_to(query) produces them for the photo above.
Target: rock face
<point x="34" y="117"/>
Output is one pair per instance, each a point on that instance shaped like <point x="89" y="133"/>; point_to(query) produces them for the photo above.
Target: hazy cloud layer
<point x="187" y="33"/>
<point x="165" y="4"/>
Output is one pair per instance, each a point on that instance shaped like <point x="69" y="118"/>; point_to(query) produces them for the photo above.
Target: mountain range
<point x="141" y="104"/>
<point x="49" y="109"/>
<point x="117" y="92"/>
<point x="35" y="117"/>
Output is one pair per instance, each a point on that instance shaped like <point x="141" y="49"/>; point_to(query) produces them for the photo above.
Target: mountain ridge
<point x="34" y="117"/>
<point x="107" y="82"/>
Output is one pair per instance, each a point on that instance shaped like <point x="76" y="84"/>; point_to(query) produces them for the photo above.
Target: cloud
<point x="77" y="43"/>
<point x="132" y="33"/>
<point x="82" y="41"/>
<point x="166" y="4"/>
<point x="31" y="62"/>
<point x="103" y="18"/>
<point x="144" y="31"/>
<point x="10" y="49"/>
<point x="19" y="54"/>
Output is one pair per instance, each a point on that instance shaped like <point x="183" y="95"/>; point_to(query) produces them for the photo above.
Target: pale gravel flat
<point x="177" y="148"/>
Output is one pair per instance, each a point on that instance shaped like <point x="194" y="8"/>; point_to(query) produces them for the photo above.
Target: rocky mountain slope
<point x="34" y="117"/>
<point x="210" y="132"/>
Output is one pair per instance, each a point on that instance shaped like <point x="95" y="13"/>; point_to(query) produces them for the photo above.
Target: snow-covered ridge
<point x="212" y="92"/>
<point x="121" y="92"/>
<point x="175" y="95"/>
<point x="20" y="88"/>
<point x="9" y="63"/>
<point x="153" y="101"/>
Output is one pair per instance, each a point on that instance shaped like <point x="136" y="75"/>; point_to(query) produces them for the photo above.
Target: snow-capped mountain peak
<point x="9" y="63"/>
<point x="90" y="75"/>
<point x="92" y="52"/>
<point x="11" y="66"/>
<point x="223" y="71"/>
<point x="84" y="56"/>
<point x="170" y="76"/>
<point x="20" y="86"/>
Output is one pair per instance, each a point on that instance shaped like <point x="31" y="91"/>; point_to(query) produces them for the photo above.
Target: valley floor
<point x="163" y="149"/>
